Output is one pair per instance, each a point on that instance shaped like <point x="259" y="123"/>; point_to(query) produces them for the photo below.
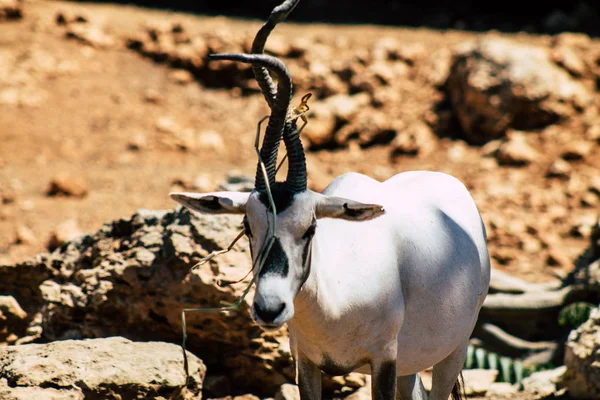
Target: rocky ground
<point x="106" y="109"/>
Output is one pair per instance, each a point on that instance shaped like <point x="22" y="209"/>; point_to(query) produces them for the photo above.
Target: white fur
<point x="406" y="274"/>
<point x="405" y="286"/>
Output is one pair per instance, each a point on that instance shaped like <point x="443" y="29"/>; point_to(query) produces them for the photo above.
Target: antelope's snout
<point x="271" y="308"/>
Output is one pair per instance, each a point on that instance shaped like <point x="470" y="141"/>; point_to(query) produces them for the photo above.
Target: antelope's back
<point x="430" y="215"/>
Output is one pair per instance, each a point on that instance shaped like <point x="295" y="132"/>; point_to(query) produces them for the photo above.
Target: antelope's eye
<point x="310" y="232"/>
<point x="247" y="230"/>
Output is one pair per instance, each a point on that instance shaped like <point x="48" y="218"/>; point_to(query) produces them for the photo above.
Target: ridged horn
<point x="296" y="175"/>
<point x="261" y="73"/>
<point x="279" y="109"/>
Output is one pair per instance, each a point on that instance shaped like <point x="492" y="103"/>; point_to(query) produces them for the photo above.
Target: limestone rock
<point x="369" y="127"/>
<point x="559" y="169"/>
<point x="335" y="111"/>
<point x="364" y="393"/>
<point x="68" y="186"/>
<point x="97" y="368"/>
<point x="24" y="235"/>
<point x="516" y="151"/>
<point x="137" y="142"/>
<point x="288" y="392"/>
<point x="64" y="232"/>
<point x="237" y="182"/>
<point x="416" y="139"/>
<point x="576" y="151"/>
<point x="569" y="60"/>
<point x="151" y="95"/>
<point x="582" y="358"/>
<point x="246" y="397"/>
<point x="181" y="76"/>
<point x="13" y="319"/>
<point x="544" y="383"/>
<point x="210" y="141"/>
<point x="496" y="84"/>
<point x="66" y="17"/>
<point x="10" y="309"/>
<point x="132" y="278"/>
<point x="11" y="9"/>
<point x="90" y="35"/>
<point x="478" y="381"/>
<point x="166" y="124"/>
<point x="501" y="389"/>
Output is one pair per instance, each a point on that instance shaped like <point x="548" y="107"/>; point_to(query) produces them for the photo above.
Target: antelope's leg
<point x="446" y="373"/>
<point x="383" y="372"/>
<point x="309" y="378"/>
<point x="410" y="388"/>
<point x="383" y="382"/>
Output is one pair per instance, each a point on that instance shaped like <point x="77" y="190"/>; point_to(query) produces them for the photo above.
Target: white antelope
<point x="385" y="278"/>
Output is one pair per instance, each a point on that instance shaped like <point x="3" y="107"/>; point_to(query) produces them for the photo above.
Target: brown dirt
<point x="84" y="109"/>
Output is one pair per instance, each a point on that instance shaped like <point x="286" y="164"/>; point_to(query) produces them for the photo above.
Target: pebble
<point x="152" y="95"/>
<point x="66" y="17"/>
<point x="559" y="169"/>
<point x="91" y="35"/>
<point x="557" y="259"/>
<point x="576" y="151"/>
<point x="181" y="76"/>
<point x="288" y="392"/>
<point x="66" y="185"/>
<point x="166" y="124"/>
<point x="210" y="140"/>
<point x="137" y="142"/>
<point x="64" y="232"/>
<point x="569" y="60"/>
<point x="516" y="151"/>
<point x="24" y="235"/>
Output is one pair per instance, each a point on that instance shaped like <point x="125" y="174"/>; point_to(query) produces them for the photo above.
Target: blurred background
<point x="106" y="107"/>
<point x="552" y="16"/>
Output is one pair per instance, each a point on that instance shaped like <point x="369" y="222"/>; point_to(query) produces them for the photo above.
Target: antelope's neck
<point x="318" y="301"/>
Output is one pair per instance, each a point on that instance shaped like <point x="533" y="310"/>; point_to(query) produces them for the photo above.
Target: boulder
<point x="495" y="84"/>
<point x="544" y="383"/>
<point x="132" y="278"/>
<point x="111" y="368"/>
<point x="582" y="358"/>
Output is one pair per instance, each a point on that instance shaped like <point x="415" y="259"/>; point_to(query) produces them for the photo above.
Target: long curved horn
<point x="261" y="73"/>
<point x="296" y="175"/>
<point x="279" y="109"/>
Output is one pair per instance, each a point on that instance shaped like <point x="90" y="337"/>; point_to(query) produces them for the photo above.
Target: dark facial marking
<point x="282" y="197"/>
<point x="385" y="381"/>
<point x="276" y="262"/>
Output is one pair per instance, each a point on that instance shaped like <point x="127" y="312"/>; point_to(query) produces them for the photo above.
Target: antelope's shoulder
<point x="350" y="183"/>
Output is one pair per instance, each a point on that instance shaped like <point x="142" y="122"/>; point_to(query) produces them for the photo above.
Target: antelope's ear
<point x="213" y="203"/>
<point x="337" y="207"/>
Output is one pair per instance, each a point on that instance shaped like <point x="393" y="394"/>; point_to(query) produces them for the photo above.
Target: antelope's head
<point x="280" y="218"/>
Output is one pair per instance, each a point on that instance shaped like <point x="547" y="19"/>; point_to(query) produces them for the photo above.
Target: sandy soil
<point x="102" y="117"/>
